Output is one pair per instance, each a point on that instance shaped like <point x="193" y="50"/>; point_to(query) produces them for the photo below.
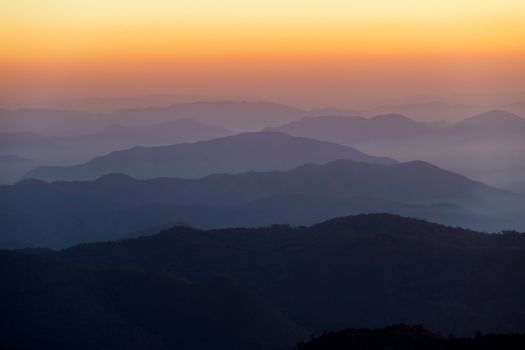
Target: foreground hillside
<point x="51" y="304"/>
<point x="401" y="337"/>
<point x="264" y="288"/>
<point x="361" y="271"/>
<point x="65" y="213"/>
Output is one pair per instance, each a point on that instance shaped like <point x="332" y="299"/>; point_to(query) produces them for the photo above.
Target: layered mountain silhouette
<point x="364" y="271"/>
<point x="494" y="123"/>
<point x="182" y="130"/>
<point x="489" y="153"/>
<point x="31" y="145"/>
<point x="13" y="168"/>
<point x="262" y="151"/>
<point x="394" y="127"/>
<point x="65" y="213"/>
<point x="74" y="149"/>
<point x="487" y="147"/>
<point x="233" y="115"/>
<point x="431" y="111"/>
<point x="356" y="130"/>
<point x="115" y="103"/>
<point x="47" y="303"/>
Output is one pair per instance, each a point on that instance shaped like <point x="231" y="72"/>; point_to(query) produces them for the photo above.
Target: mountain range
<point x="14" y="167"/>
<point x="78" y="148"/>
<point x="263" y="151"/>
<point x="65" y="213"/>
<point x="436" y="111"/>
<point x="239" y="116"/>
<point x="357" y="130"/>
<point x="491" y="152"/>
<point x="393" y="127"/>
<point x="430" y="111"/>
<point x="487" y="147"/>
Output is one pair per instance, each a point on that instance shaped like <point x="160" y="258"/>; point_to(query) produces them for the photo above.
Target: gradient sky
<point x="329" y="52"/>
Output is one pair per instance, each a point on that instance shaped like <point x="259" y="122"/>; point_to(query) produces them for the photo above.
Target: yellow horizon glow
<point x="64" y="30"/>
<point x="170" y="45"/>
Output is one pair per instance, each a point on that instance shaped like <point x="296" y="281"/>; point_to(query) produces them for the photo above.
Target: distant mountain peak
<point x="498" y="113"/>
<point x="31" y="183"/>
<point x="257" y="151"/>
<point x="393" y="117"/>
<point x="12" y="157"/>
<point x="493" y="116"/>
<point x="421" y="164"/>
<point x="115" y="178"/>
<point x="334" y="111"/>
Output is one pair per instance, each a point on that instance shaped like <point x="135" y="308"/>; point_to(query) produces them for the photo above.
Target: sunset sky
<point x="304" y="52"/>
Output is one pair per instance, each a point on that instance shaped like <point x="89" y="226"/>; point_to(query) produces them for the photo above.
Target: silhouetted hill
<point x="12" y="168"/>
<point x="388" y="128"/>
<point x="50" y="304"/>
<point x="295" y="209"/>
<point x="79" y="148"/>
<point x="66" y="213"/>
<point x="356" y="130"/>
<point x="239" y="116"/>
<point x="429" y="111"/>
<point x="492" y="122"/>
<point x="486" y="147"/>
<point x="234" y="115"/>
<point x="31" y="145"/>
<point x="119" y="136"/>
<point x="262" y="151"/>
<point x="363" y="271"/>
<point x="402" y="337"/>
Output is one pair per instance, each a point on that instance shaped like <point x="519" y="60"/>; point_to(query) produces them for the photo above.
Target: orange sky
<point x="330" y="52"/>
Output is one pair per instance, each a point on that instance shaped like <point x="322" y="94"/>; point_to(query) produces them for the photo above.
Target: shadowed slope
<point x="50" y="304"/>
<point x="362" y="271"/>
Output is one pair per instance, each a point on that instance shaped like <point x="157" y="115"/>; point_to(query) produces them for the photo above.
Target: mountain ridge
<point x="365" y="270"/>
<point x="262" y="151"/>
<point x="65" y="213"/>
<point x="119" y="308"/>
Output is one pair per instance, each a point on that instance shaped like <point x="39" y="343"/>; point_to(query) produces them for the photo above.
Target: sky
<point x="303" y="52"/>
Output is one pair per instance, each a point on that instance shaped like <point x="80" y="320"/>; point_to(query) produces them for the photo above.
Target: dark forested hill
<point x="403" y="337"/>
<point x="50" y="304"/>
<point x="361" y="271"/>
<point x="268" y="288"/>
